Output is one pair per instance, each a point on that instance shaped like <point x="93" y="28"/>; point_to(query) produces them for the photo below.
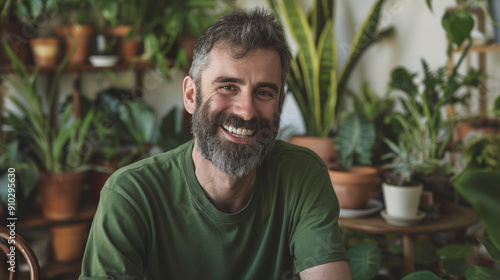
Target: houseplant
<point x="400" y="189"/>
<point x="313" y="79"/>
<point x="354" y="141"/>
<point x="423" y="118"/>
<point x="76" y="30"/>
<point x="58" y="150"/>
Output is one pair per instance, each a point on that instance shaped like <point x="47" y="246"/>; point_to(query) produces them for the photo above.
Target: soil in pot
<point x="60" y="194"/>
<point x="354" y="187"/>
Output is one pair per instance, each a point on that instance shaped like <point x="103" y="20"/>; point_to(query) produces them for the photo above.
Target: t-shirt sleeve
<point x="316" y="238"/>
<point x="117" y="246"/>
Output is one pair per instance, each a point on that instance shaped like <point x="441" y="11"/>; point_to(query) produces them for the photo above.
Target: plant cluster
<point x="313" y="79"/>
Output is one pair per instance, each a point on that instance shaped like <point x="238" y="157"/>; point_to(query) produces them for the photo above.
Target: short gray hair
<point x="250" y="30"/>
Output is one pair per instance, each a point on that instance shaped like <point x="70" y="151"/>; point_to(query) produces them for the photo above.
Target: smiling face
<point x="235" y="112"/>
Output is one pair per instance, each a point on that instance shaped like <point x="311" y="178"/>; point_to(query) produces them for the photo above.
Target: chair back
<point x="21" y="246"/>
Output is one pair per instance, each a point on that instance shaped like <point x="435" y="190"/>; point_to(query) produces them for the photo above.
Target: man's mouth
<point x="238" y="132"/>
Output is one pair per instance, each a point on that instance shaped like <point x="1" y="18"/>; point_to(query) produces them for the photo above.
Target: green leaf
<point x="491" y="248"/>
<point x="354" y="140"/>
<point x="480" y="189"/>
<point x="364" y="261"/>
<point x="458" y="26"/>
<point x="475" y="272"/>
<point x="422" y="275"/>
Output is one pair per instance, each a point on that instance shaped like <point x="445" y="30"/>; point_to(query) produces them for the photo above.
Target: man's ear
<point x="189" y="94"/>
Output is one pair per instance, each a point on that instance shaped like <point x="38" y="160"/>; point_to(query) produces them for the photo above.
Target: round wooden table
<point x="455" y="217"/>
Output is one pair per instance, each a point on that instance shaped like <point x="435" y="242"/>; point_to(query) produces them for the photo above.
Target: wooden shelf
<point x="37" y="220"/>
<point x="490" y="47"/>
<point x="54" y="269"/>
<point x="141" y="65"/>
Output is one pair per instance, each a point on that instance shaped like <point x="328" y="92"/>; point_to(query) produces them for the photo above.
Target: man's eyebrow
<point x="222" y="79"/>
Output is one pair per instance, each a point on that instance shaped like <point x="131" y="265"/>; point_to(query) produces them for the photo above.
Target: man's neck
<point x="228" y="194"/>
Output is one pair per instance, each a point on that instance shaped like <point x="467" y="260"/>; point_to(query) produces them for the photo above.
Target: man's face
<point x="236" y="117"/>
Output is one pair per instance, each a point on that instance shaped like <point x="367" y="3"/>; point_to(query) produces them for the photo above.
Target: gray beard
<point x="234" y="159"/>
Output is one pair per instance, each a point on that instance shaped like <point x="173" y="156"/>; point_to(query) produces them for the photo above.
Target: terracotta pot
<point x="322" y="146"/>
<point x="18" y="40"/>
<point x="127" y="47"/>
<point x="76" y="38"/>
<point x="98" y="179"/>
<point x="354" y="187"/>
<point x="68" y="241"/>
<point x="45" y="51"/>
<point x="60" y="194"/>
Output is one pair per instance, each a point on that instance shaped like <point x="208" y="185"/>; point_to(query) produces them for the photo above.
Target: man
<point x="234" y="203"/>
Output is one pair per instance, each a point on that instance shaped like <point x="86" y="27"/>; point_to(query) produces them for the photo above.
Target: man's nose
<point x="245" y="106"/>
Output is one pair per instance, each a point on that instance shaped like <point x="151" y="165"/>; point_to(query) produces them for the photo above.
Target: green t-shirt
<point x="155" y="222"/>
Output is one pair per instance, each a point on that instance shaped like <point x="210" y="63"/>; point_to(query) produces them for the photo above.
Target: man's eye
<point x="264" y="95"/>
<point x="227" y="89"/>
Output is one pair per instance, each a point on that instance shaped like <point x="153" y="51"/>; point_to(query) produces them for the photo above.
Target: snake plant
<point x="313" y="78"/>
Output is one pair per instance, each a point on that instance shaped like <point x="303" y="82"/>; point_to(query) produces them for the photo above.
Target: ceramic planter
<point x="60" y="194"/>
<point x="322" y="146"/>
<point x="402" y="201"/>
<point x="354" y="187"/>
<point x="76" y="40"/>
<point x="45" y="51"/>
<point x="68" y="241"/>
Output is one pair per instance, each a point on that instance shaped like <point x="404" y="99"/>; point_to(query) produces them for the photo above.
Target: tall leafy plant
<point x="56" y="148"/>
<point x="423" y="103"/>
<point x="313" y="78"/>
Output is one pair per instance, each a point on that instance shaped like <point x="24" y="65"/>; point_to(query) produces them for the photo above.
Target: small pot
<point x="354" y="187"/>
<point x="127" y="47"/>
<point x="45" y="51"/>
<point x="402" y="201"/>
<point x="68" y="241"/>
<point x="76" y="39"/>
<point x="60" y="194"/>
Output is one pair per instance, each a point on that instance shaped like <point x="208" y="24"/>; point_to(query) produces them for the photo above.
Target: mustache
<point x="235" y="121"/>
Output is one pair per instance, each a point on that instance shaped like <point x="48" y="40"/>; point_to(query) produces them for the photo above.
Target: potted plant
<point x="58" y="150"/>
<point x="124" y="21"/>
<point x="354" y="141"/>
<point x="76" y="30"/>
<point x="400" y="189"/>
<point x="33" y="14"/>
<point x="313" y="79"/>
<point x="427" y="100"/>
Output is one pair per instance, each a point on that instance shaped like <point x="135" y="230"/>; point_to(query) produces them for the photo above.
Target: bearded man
<point x="233" y="203"/>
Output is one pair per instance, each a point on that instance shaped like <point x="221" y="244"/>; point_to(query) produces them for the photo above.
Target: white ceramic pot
<point x="402" y="201"/>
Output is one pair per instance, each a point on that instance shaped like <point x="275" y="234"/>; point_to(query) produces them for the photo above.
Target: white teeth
<point x="238" y="132"/>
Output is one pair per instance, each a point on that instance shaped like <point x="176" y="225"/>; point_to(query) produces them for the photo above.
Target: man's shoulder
<point x="153" y="165"/>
